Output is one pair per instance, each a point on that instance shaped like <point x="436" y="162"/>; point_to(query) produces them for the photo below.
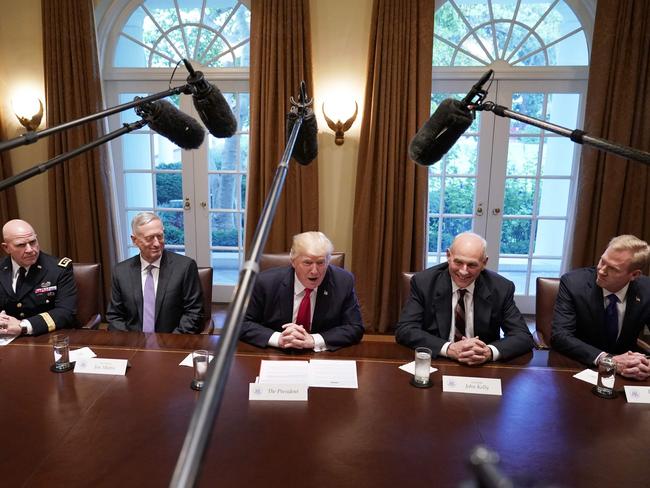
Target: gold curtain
<point x="390" y="201"/>
<point x="8" y="202"/>
<point x="280" y="59"/>
<point x="613" y="195"/>
<point x="80" y="217"/>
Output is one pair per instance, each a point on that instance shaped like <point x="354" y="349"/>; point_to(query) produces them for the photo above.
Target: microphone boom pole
<point x="578" y="136"/>
<point x="202" y="422"/>
<point x="31" y="136"/>
<point x="43" y="167"/>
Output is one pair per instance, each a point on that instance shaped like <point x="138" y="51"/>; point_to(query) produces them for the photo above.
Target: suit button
<point x="47" y="301"/>
<point x="22" y="314"/>
<point x="19" y="305"/>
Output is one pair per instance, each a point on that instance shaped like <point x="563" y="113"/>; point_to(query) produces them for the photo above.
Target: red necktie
<point x="459" y="313"/>
<point x="304" y="311"/>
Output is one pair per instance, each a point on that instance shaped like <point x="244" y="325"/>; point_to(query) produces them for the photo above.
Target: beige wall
<point x="340" y="31"/>
<point x="340" y="34"/>
<point x="21" y="68"/>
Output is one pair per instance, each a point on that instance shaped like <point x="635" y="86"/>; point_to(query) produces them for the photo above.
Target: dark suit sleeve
<point x="518" y="339"/>
<point x="410" y="330"/>
<point x="117" y="313"/>
<point x="191" y="319"/>
<point x="564" y="327"/>
<point x="253" y="331"/>
<point x="63" y="314"/>
<point x="349" y="329"/>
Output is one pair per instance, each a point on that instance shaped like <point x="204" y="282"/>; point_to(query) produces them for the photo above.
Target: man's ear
<point x="133" y="239"/>
<point x="4" y="247"/>
<point x="635" y="274"/>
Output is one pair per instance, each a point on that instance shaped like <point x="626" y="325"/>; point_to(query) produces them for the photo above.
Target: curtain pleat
<point x="80" y="217"/>
<point x="613" y="196"/>
<point x="280" y="59"/>
<point x="390" y="200"/>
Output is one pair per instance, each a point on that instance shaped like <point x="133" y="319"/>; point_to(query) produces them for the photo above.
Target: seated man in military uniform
<point x="37" y="291"/>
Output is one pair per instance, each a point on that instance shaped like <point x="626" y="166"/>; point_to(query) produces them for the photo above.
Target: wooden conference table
<point x="89" y="430"/>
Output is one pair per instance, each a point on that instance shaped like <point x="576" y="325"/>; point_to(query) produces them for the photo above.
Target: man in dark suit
<point x="457" y="309"/>
<point x="602" y="310"/>
<point x="158" y="290"/>
<point x="37" y="291"/>
<point x="309" y="305"/>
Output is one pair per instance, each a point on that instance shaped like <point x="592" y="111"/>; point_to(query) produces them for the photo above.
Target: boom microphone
<point x="306" y="148"/>
<point x="211" y="105"/>
<point x="165" y="119"/>
<point x="450" y="121"/>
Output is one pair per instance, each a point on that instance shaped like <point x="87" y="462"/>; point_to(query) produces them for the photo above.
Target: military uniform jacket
<point x="48" y="297"/>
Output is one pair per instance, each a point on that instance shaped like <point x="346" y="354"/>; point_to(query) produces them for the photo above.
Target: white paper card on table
<point x="468" y="384"/>
<point x="333" y="373"/>
<point x="284" y="372"/>
<point x="101" y="366"/>
<point x="637" y="394"/>
<point x="278" y="392"/>
<point x="6" y="339"/>
<point x="82" y="353"/>
<point x="410" y="368"/>
<point x="188" y="361"/>
<point x="588" y="375"/>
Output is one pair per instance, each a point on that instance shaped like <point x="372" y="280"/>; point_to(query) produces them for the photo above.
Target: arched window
<point x="199" y="194"/>
<point x="508" y="181"/>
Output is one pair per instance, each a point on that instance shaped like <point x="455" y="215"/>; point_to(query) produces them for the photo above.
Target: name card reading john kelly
<point x="101" y="366"/>
<point x="468" y="384"/>
<point x="280" y="392"/>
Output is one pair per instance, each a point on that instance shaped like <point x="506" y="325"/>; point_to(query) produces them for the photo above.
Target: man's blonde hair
<point x="639" y="249"/>
<point x="314" y="243"/>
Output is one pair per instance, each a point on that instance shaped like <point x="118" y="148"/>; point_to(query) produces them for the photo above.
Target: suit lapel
<point x="323" y="301"/>
<point x="136" y="284"/>
<point x="163" y="280"/>
<point x="442" y="303"/>
<point x="633" y="306"/>
<point x="482" y="308"/>
<point x="595" y="294"/>
<point x="5" y="276"/>
<point x="285" y="296"/>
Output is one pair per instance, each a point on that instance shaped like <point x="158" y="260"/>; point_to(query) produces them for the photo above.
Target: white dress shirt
<point x="298" y="295"/>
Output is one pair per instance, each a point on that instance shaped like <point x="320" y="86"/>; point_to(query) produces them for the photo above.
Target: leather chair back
<point x="282" y="259"/>
<point x="87" y="279"/>
<point x="405" y="287"/>
<point x="205" y="278"/>
<point x="546" y="292"/>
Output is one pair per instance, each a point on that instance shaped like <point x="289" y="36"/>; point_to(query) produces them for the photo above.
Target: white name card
<point x="101" y="366"/>
<point x="266" y="391"/>
<point x="637" y="394"/>
<point x="84" y="352"/>
<point x="468" y="384"/>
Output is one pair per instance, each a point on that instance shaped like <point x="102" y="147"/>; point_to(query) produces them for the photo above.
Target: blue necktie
<point x="149" y="304"/>
<point x="611" y="320"/>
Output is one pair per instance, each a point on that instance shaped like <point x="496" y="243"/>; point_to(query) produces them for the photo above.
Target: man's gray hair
<point x="314" y="243"/>
<point x="142" y="218"/>
<point x="473" y="234"/>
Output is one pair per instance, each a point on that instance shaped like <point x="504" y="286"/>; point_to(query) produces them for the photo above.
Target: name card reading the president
<point x="637" y="394"/>
<point x="468" y="384"/>
<point x="101" y="366"/>
<point x="280" y="392"/>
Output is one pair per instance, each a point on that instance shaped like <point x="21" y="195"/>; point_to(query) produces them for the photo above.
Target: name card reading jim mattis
<point x="468" y="384"/>
<point x="101" y="366"/>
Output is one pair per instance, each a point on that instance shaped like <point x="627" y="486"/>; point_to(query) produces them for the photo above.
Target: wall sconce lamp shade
<point x="340" y="128"/>
<point x="29" y="112"/>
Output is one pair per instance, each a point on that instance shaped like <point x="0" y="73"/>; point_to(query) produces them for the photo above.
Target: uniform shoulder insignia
<point x="65" y="262"/>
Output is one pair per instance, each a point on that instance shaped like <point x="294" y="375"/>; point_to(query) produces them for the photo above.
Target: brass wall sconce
<point x="28" y="111"/>
<point x="340" y="128"/>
